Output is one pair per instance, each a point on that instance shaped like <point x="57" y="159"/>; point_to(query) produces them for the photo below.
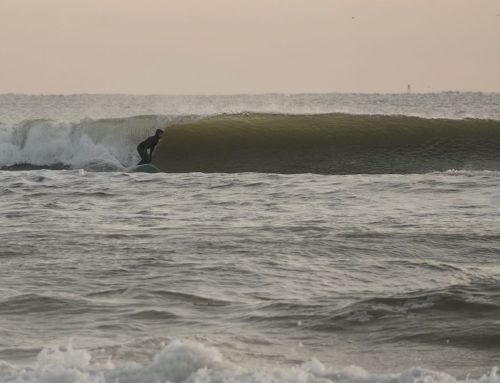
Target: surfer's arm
<point x="151" y="149"/>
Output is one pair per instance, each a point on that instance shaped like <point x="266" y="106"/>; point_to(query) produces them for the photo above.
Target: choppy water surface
<point x="338" y="238"/>
<point x="385" y="272"/>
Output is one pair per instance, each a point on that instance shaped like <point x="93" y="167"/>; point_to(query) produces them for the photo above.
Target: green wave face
<point x="329" y="144"/>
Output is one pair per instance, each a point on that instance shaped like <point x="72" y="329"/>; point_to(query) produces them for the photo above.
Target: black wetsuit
<point x="142" y="148"/>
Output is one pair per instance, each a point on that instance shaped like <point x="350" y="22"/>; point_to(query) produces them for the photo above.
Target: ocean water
<point x="288" y="238"/>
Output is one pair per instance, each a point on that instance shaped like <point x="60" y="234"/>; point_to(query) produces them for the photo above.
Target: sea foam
<point x="107" y="144"/>
<point x="193" y="362"/>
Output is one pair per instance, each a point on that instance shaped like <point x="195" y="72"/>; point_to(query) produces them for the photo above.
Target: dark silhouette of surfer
<point x="148" y="144"/>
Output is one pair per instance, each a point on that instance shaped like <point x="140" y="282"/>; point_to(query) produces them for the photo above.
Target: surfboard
<point x="146" y="168"/>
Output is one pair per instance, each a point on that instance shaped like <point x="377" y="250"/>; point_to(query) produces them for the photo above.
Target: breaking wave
<point x="99" y="145"/>
<point x="251" y="142"/>
<point x="187" y="361"/>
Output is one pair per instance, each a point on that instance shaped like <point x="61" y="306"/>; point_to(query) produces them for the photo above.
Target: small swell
<point x="34" y="303"/>
<point x="457" y="315"/>
<point x="152" y="315"/>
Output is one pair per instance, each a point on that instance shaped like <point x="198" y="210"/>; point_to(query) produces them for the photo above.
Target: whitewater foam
<point x="101" y="145"/>
<point x="193" y="362"/>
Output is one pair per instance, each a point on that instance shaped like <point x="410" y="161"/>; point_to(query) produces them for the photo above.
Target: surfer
<point x="148" y="143"/>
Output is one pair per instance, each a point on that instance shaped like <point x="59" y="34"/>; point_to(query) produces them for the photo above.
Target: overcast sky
<point x="248" y="46"/>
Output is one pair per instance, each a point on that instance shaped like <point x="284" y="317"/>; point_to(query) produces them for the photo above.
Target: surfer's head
<point x="158" y="133"/>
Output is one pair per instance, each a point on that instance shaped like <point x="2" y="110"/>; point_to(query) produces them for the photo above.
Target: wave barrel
<point x="329" y="144"/>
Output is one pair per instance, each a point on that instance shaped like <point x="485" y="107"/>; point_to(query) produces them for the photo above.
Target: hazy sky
<point x="248" y="46"/>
